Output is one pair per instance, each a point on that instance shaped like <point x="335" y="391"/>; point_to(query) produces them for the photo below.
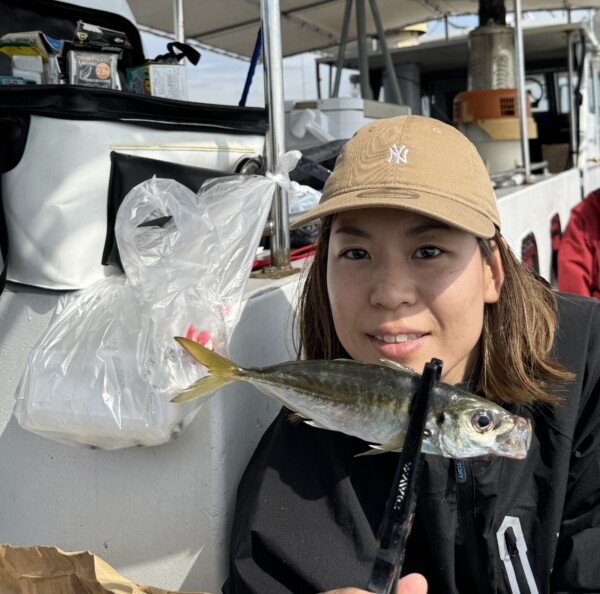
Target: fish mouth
<point x="515" y="443"/>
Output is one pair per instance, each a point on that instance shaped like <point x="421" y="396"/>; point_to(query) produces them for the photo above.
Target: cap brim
<point x="442" y="208"/>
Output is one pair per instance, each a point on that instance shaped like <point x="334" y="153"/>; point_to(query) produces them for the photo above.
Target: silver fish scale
<point x="370" y="402"/>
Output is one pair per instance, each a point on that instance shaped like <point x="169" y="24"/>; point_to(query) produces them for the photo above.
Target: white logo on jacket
<point x="518" y="548"/>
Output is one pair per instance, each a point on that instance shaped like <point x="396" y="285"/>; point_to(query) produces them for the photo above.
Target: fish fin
<point x="222" y="371"/>
<point x="203" y="387"/>
<point x="214" y="362"/>
<point x="387" y="362"/>
<point x="397" y="366"/>
<point x="295" y="418"/>
<point x="393" y="445"/>
<point x="372" y="452"/>
<point x="311" y="423"/>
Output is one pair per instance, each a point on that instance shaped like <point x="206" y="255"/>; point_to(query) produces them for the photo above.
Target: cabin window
<point x="529" y="253"/>
<point x="562" y="83"/>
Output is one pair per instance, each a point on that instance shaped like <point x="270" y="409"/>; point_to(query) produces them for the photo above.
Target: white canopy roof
<point x="306" y="25"/>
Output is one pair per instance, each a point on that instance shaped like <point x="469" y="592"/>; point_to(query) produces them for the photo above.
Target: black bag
<point x="56" y="143"/>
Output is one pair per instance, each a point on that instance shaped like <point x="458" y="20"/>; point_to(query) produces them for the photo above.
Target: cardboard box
<point x="13" y="80"/>
<point x="93" y="69"/>
<point x="159" y="80"/>
<point x="30" y="44"/>
<point x="29" y="67"/>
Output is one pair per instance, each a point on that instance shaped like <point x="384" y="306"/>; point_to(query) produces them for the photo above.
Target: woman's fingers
<point x="414" y="583"/>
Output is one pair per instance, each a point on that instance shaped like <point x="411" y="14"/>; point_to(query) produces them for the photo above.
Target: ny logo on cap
<point x="399" y="155"/>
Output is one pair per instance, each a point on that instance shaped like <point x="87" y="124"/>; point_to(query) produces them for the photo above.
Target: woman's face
<point x="405" y="287"/>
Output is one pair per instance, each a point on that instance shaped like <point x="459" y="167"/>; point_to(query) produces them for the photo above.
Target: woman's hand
<point x="414" y="583"/>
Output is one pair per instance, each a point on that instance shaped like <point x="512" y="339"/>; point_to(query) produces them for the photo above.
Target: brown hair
<point x="516" y="364"/>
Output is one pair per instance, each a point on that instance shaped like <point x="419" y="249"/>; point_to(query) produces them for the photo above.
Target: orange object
<point x="496" y="111"/>
<point x="486" y="104"/>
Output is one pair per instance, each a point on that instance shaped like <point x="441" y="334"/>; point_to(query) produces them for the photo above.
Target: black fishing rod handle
<point x="400" y="508"/>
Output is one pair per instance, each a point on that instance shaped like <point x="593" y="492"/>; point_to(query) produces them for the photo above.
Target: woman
<point x="411" y="265"/>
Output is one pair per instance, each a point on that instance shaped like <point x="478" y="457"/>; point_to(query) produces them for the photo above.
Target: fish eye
<point x="482" y="422"/>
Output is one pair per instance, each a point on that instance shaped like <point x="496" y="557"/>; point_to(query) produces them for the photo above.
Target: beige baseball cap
<point x="413" y="163"/>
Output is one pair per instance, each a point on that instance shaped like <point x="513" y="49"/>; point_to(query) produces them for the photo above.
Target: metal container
<point x="491" y="58"/>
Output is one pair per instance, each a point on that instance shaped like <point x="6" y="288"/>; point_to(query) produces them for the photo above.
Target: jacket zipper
<point x="468" y="524"/>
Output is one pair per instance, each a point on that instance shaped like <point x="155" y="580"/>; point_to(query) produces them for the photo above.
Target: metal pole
<point x="273" y="67"/>
<point x="521" y="98"/>
<point x="318" y="77"/>
<point x="342" y="50"/>
<point x="363" y="59"/>
<point x="178" y="21"/>
<point x="572" y="104"/>
<point x="389" y="66"/>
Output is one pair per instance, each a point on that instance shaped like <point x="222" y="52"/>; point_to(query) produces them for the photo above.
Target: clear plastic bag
<point x="302" y="198"/>
<point x="103" y="373"/>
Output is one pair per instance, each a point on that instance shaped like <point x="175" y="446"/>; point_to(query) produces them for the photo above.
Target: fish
<point x="372" y="402"/>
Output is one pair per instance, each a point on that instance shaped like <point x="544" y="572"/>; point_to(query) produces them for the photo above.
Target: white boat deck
<point x="161" y="515"/>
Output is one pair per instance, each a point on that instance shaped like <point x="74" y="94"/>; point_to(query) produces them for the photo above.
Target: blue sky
<point x="220" y="79"/>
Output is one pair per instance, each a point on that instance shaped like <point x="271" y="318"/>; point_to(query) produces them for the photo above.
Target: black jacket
<point x="308" y="510"/>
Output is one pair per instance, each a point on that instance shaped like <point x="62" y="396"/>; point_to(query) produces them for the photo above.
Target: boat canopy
<point x="307" y="25"/>
<point x="292" y="27"/>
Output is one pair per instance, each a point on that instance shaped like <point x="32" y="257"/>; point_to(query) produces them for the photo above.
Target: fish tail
<point x="222" y="371"/>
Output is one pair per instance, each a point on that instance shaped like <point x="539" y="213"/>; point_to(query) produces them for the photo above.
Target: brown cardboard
<point x="48" y="570"/>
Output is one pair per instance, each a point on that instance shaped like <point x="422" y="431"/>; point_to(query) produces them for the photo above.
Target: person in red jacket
<point x="579" y="250"/>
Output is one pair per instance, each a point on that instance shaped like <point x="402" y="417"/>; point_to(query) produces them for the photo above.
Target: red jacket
<point x="579" y="252"/>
